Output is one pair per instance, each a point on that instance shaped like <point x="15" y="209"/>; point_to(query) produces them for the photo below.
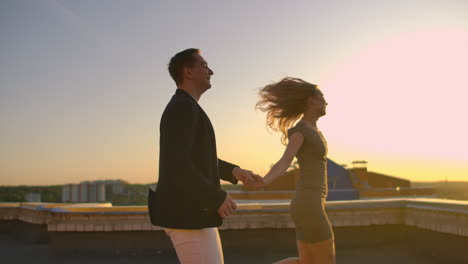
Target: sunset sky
<point x="83" y="83"/>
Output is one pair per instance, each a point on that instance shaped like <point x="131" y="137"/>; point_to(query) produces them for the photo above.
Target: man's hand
<point x="227" y="207"/>
<point x="247" y="177"/>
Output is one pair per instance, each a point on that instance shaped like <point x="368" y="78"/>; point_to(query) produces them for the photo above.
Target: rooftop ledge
<point x="446" y="216"/>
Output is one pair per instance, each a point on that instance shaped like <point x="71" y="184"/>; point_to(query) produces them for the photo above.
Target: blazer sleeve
<point x="180" y="125"/>
<point x="225" y="171"/>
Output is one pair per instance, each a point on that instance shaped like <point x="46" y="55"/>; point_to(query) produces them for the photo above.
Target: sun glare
<point x="404" y="96"/>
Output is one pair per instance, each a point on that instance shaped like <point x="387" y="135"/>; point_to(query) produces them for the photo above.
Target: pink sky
<point x="84" y="83"/>
<point x="404" y="97"/>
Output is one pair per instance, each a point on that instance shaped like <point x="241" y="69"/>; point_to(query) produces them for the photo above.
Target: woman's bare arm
<point x="280" y="167"/>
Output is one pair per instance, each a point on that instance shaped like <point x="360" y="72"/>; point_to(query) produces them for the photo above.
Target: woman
<point x="285" y="102"/>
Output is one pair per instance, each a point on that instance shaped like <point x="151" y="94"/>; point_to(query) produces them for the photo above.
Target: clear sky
<point x="83" y="83"/>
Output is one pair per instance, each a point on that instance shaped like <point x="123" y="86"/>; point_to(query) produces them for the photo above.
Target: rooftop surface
<point x="366" y="231"/>
<point x="16" y="251"/>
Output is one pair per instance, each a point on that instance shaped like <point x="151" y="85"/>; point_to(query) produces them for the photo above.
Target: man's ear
<point x="187" y="71"/>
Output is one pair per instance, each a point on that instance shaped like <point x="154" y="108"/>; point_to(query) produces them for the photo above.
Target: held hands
<point x="227" y="207"/>
<point x="248" y="178"/>
<point x="258" y="183"/>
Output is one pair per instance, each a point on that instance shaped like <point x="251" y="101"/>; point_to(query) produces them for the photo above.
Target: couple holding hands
<point x="188" y="202"/>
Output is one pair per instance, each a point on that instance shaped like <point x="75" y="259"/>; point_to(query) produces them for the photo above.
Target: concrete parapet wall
<point x="444" y="216"/>
<point x="263" y="195"/>
<point x="395" y="192"/>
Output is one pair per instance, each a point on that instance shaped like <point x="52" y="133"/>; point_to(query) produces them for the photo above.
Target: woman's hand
<point x="258" y="182"/>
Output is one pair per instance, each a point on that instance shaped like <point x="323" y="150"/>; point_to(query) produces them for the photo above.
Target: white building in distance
<point x="83" y="192"/>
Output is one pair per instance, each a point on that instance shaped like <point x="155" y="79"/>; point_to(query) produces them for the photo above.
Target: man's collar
<point x="184" y="93"/>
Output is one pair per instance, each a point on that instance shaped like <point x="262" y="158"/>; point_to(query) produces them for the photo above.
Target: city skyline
<point x="83" y="84"/>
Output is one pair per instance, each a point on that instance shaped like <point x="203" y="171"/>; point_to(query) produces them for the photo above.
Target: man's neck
<point x="192" y="91"/>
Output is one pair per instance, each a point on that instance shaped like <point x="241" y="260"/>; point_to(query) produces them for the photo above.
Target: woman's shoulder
<point x="304" y="129"/>
<point x="299" y="127"/>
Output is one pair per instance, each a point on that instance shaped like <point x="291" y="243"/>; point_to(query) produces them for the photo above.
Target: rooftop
<point x="366" y="231"/>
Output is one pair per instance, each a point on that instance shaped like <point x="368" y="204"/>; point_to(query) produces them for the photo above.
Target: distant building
<point x="33" y="197"/>
<point x="118" y="187"/>
<point x="83" y="192"/>
<point x="66" y="193"/>
<point x="354" y="183"/>
<point x="100" y="192"/>
<point x="363" y="179"/>
<point x="92" y="192"/>
<point x="75" y="193"/>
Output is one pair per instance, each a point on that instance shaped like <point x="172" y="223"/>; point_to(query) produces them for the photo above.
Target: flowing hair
<point x="285" y="102"/>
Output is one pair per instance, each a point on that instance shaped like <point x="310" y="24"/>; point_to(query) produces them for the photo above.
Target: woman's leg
<point x="197" y="246"/>
<point x="322" y="252"/>
<point x="288" y="261"/>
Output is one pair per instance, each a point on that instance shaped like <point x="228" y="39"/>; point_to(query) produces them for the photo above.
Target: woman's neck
<point x="310" y="120"/>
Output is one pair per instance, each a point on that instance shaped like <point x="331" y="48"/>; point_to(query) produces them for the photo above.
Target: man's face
<point x="201" y="73"/>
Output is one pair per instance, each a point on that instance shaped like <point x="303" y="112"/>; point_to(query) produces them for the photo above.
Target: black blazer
<point x="188" y="193"/>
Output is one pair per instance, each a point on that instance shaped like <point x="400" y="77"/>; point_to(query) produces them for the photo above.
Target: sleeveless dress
<point x="308" y="204"/>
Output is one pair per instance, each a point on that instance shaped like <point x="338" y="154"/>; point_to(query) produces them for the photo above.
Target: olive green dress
<point x="308" y="204"/>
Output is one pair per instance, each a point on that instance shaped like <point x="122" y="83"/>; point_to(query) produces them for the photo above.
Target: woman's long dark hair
<point x="285" y="102"/>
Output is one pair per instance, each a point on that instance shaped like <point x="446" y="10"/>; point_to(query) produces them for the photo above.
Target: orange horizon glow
<point x="81" y="99"/>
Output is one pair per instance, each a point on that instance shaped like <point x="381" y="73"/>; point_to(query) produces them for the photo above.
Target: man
<point x="188" y="201"/>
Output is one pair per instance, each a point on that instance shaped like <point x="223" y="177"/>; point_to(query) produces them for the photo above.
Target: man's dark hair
<point x="179" y="62"/>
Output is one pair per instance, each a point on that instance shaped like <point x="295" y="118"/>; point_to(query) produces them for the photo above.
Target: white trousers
<point x="197" y="246"/>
